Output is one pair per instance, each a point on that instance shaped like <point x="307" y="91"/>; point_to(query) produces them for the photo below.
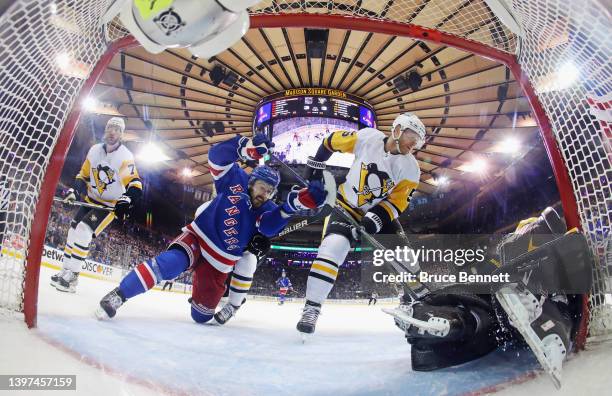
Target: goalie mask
<point x="205" y="27"/>
<point x="411" y="122"/>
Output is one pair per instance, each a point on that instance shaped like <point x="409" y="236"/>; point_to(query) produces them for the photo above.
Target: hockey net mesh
<point x="48" y="49"/>
<point x="565" y="51"/>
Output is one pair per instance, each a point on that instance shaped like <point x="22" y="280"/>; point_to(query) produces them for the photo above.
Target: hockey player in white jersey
<point x="108" y="178"/>
<point x="377" y="189"/>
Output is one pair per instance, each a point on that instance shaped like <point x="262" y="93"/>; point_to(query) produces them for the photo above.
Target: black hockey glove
<point x="372" y="223"/>
<point x="123" y="207"/>
<point x="259" y="245"/>
<point x="125" y="204"/>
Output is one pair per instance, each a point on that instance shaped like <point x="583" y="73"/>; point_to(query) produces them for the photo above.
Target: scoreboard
<point x="315" y="106"/>
<point x="330" y="106"/>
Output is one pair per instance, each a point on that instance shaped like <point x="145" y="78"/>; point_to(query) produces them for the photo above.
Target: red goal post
<point x="564" y="116"/>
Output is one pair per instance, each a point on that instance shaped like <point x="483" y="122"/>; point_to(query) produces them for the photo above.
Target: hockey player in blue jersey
<point x="221" y="230"/>
<point x="284" y="286"/>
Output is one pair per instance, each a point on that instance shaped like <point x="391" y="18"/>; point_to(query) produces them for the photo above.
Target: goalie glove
<point x="254" y="149"/>
<point x="306" y="198"/>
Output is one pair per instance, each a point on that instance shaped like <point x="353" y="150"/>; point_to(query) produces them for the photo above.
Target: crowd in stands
<point x="120" y="245"/>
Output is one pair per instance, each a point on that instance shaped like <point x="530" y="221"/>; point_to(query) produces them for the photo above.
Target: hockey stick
<point x="83" y="204"/>
<point x="323" y="213"/>
<point x="369" y="238"/>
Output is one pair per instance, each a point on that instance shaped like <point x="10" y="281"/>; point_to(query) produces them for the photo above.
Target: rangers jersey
<point x="377" y="180"/>
<point x="226" y="224"/>
<point x="283" y="284"/>
<point x="108" y="175"/>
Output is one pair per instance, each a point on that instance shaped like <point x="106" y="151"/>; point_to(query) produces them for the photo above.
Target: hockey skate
<point x="546" y="334"/>
<point x="109" y="304"/>
<point x="55" y="278"/>
<point x="226" y="313"/>
<point x="67" y="282"/>
<point x="306" y="325"/>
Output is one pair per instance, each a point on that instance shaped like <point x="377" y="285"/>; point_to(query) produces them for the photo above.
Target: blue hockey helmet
<point x="266" y="174"/>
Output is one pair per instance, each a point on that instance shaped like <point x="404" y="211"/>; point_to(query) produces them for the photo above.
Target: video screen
<point x="297" y="138"/>
<point x="366" y="117"/>
<point x="263" y="114"/>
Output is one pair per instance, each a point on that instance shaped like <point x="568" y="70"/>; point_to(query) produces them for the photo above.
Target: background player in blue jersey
<point x="216" y="239"/>
<point x="284" y="286"/>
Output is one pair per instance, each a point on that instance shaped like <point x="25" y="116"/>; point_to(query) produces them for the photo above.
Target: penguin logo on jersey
<point x="373" y="184"/>
<point x="103" y="176"/>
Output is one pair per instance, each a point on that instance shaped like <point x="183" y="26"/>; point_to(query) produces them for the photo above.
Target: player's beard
<point x="257" y="202"/>
<point x="112" y="144"/>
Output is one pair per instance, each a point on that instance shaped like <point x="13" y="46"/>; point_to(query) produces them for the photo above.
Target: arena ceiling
<point x="469" y="104"/>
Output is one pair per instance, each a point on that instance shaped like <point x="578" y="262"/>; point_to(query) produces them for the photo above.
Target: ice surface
<point x="153" y="347"/>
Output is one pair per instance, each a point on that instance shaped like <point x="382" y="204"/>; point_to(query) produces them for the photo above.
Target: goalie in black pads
<point x="548" y="269"/>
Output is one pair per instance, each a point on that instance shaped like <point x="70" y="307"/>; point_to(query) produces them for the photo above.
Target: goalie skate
<point x="519" y="316"/>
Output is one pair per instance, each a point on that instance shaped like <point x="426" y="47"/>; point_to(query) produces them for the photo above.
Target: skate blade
<point x="305" y="337"/>
<point x="101" y="314"/>
<point x="63" y="290"/>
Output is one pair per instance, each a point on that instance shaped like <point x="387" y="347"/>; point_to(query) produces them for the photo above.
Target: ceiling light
<point x="477" y="165"/>
<point x="90" y="104"/>
<point x="509" y="145"/>
<point x="152" y="153"/>
<point x="187" y="172"/>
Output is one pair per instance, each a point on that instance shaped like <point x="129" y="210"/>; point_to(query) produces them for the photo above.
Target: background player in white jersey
<point x="377" y="189"/>
<point x="108" y="177"/>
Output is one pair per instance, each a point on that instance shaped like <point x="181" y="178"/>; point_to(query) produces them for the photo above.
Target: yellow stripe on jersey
<point x="129" y="175"/>
<point x="400" y="194"/>
<point x="341" y="141"/>
<point x="107" y="220"/>
<point x="343" y="201"/>
<point x="85" y="171"/>
<point x="79" y="252"/>
<point x="391" y="211"/>
<point x="245" y="285"/>
<point x="319" y="266"/>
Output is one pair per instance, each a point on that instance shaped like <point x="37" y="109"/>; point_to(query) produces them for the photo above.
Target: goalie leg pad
<point x="471" y="331"/>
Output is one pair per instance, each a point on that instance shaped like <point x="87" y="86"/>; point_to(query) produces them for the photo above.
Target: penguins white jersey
<point x="375" y="177"/>
<point x="108" y="175"/>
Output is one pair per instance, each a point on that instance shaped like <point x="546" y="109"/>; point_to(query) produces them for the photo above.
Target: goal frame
<point x="299" y="20"/>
